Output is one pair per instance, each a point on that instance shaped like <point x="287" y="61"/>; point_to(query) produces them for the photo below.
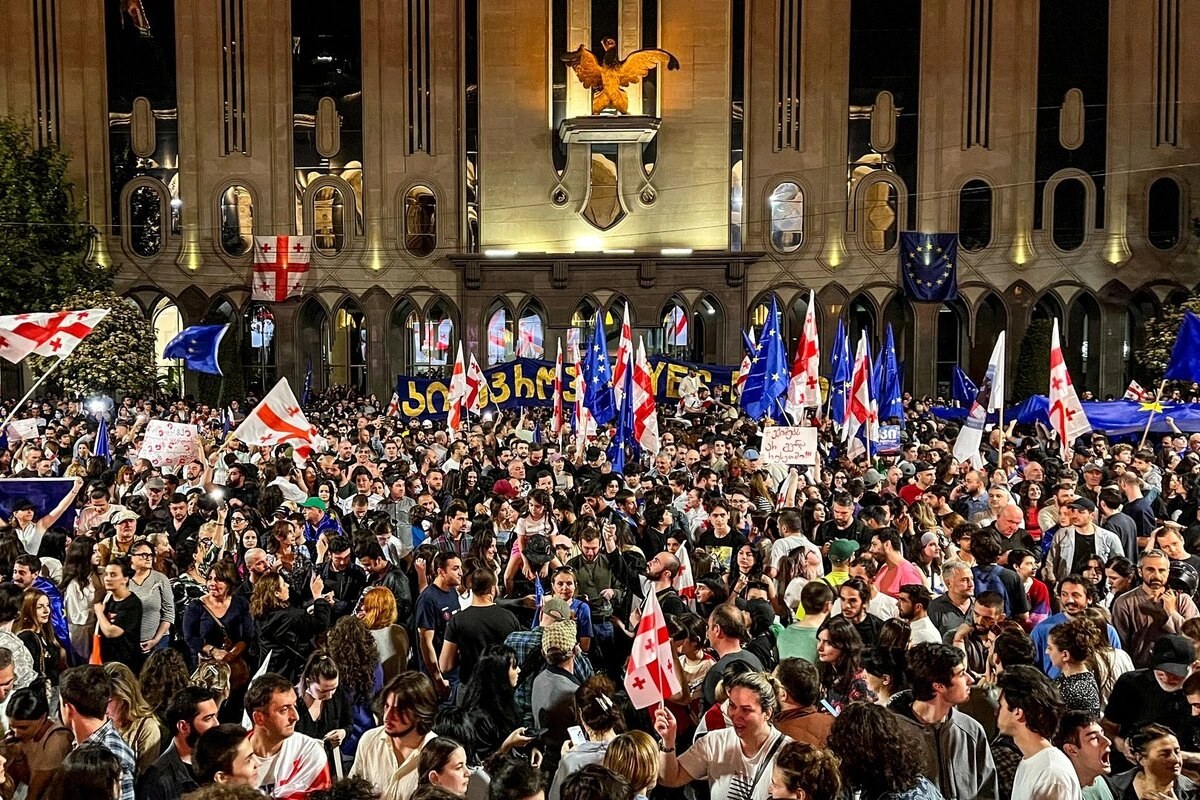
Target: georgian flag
<point x="556" y="420"/>
<point x="456" y="398"/>
<point x="804" y="389"/>
<point x="530" y="337"/>
<point x="645" y="416"/>
<point x="685" y="581"/>
<point x="650" y="673"/>
<point x="46" y="334"/>
<point x="278" y="420"/>
<point x="624" y="359"/>
<point x="1136" y="392"/>
<point x="1066" y="412"/>
<point x="860" y="409"/>
<point x="677" y="327"/>
<point x="280" y="267"/>
<point x="474" y="385"/>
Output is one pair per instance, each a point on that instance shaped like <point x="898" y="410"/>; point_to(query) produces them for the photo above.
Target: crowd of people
<point x="414" y="614"/>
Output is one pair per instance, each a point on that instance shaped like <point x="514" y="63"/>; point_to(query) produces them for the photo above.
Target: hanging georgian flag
<point x="624" y="359"/>
<point x="456" y="398"/>
<point x="556" y="419"/>
<point x="278" y="420"/>
<point x="860" y="408"/>
<point x="46" y="334"/>
<point x="393" y="409"/>
<point x="474" y="386"/>
<point x="650" y="674"/>
<point x="444" y="330"/>
<point x="280" y="267"/>
<point x="645" y="415"/>
<point x="1136" y="392"/>
<point x="677" y="327"/>
<point x="1066" y="412"/>
<point x="804" y="389"/>
<point x="573" y="345"/>
<point x="497" y="337"/>
<point x="530" y="337"/>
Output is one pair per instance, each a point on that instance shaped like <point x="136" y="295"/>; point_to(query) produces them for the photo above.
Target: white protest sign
<point x="23" y="430"/>
<point x="169" y="444"/>
<point x="789" y="445"/>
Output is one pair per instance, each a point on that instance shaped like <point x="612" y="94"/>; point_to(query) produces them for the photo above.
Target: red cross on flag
<point x="456" y="398"/>
<point x="475" y="381"/>
<point x="804" y="389"/>
<point x="645" y="416"/>
<point x="860" y="409"/>
<point x="624" y="359"/>
<point x="650" y="673"/>
<point x="49" y="334"/>
<point x="557" y="418"/>
<point x="280" y="267"/>
<point x="1066" y="412"/>
<point x="278" y="420"/>
<point x="685" y="581"/>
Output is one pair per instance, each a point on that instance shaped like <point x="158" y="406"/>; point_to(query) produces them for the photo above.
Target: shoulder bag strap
<point x="763" y="766"/>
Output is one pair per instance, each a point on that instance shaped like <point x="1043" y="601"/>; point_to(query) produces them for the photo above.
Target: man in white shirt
<point x="912" y="605"/>
<point x="291" y="764"/>
<point x="791" y="540"/>
<point x="388" y="755"/>
<point x="1082" y="738"/>
<point x="1030" y="708"/>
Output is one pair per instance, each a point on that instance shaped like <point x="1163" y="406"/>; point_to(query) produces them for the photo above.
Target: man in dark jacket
<point x="191" y="712"/>
<point x="343" y="578"/>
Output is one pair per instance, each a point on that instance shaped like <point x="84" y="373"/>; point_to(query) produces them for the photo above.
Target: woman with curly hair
<point x="879" y="757"/>
<point x="839" y="653"/>
<point x="164" y="674"/>
<point x="352" y="647"/>
<point x="804" y="771"/>
<point x="286" y="632"/>
<point x="133" y="717"/>
<point x="1072" y="649"/>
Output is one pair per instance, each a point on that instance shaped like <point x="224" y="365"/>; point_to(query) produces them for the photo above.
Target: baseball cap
<point x="505" y="489"/>
<point x="315" y="502"/>
<point x="23" y="505"/>
<point x="537" y="550"/>
<point x="922" y="466"/>
<point x="555" y="610"/>
<point x="840" y="550"/>
<point x="1082" y="448"/>
<point x="1082" y="504"/>
<point x="1092" y="466"/>
<point x="907" y="469"/>
<point x="1173" y="654"/>
<point x="872" y="477"/>
<point x="559" y="636"/>
<point x="156" y="484"/>
<point x="750" y="455"/>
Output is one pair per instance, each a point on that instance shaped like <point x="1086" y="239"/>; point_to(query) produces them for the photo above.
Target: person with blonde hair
<point x="133" y="717"/>
<point x="377" y="610"/>
<point x="634" y="756"/>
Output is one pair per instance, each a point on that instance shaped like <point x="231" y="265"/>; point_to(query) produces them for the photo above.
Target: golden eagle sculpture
<point x="606" y="76"/>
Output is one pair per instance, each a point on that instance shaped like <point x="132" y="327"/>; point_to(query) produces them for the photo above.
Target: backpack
<point x="987" y="579"/>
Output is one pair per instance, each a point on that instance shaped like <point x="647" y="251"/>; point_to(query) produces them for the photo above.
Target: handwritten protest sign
<point x="23" y="430"/>
<point x="169" y="444"/>
<point x="791" y="446"/>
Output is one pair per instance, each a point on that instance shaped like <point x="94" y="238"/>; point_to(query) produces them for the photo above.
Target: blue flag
<point x="307" y="384"/>
<point x="616" y="453"/>
<point x="842" y="368"/>
<point x="964" y="389"/>
<point x="891" y="404"/>
<point x="928" y="266"/>
<point x="769" y="373"/>
<point x="102" y="449"/>
<point x="1185" y="357"/>
<point x="877" y="373"/>
<point x="198" y="346"/>
<point x="596" y="371"/>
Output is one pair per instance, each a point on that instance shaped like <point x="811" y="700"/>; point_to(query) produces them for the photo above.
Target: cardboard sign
<point x="789" y="445"/>
<point x="23" y="430"/>
<point x="889" y="439"/>
<point x="169" y="444"/>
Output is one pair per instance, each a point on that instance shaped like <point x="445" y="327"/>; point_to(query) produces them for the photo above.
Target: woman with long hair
<point x="1119" y="573"/>
<point x="490" y="695"/>
<point x="1158" y="774"/>
<point x="1072" y="650"/>
<point x="1113" y="661"/>
<point x="321" y="705"/>
<point x="290" y="560"/>
<point x="351" y="645"/>
<point x="485" y="548"/>
<point x="443" y="762"/>
<point x="925" y="553"/>
<point x="89" y="772"/>
<point x="746" y="567"/>
<point x="164" y="675"/>
<point x="286" y="632"/>
<point x="885" y="669"/>
<point x="81" y="586"/>
<point x="1030" y="495"/>
<point x="133" y="717"/>
<point x="839" y="651"/>
<point x="879" y="757"/>
<point x="35" y="631"/>
<point x="377" y="610"/>
<point x="812" y="516"/>
<point x="600" y="719"/>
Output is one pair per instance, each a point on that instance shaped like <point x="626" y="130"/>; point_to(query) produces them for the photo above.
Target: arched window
<point x="1070" y="214"/>
<point x="1163" y="218"/>
<point x="499" y="334"/>
<point x="583" y="321"/>
<point x="404" y="337"/>
<point x="329" y="220"/>
<point x="676" y="329"/>
<point x="899" y="314"/>
<point x="708" y="331"/>
<point x="975" y="215"/>
<point x="145" y="220"/>
<point x="312" y="333"/>
<point x="348" y="347"/>
<point x="951" y="329"/>
<point x="420" y="221"/>
<point x="167" y="323"/>
<point x="1082" y="343"/>
<point x="258" y="347"/>
<point x="860" y="321"/>
<point x="1141" y="309"/>
<point x="787" y="217"/>
<point x="990" y="319"/>
<point x="531" y="331"/>
<point x="237" y="220"/>
<point x="436" y="335"/>
<point x="613" y="319"/>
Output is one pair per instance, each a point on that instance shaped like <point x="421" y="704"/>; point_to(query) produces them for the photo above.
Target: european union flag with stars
<point x="929" y="266"/>
<point x="198" y="346"/>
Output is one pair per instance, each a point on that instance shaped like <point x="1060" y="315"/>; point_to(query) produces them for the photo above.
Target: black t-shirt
<point x="1085" y="548"/>
<point x="1137" y="700"/>
<point x="473" y="629"/>
<point x="127" y="648"/>
<point x="724" y="548"/>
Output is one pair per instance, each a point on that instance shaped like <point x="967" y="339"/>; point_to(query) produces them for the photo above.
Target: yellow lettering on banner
<point x="675" y="374"/>
<point x="656" y="372"/>
<point x="414" y="406"/>
<point x="500" y="390"/>
<point x="437" y="405"/>
<point x="545" y="382"/>
<point x="523" y="386"/>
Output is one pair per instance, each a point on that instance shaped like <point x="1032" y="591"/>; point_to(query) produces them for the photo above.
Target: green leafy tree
<point x="117" y="357"/>
<point x="1033" y="361"/>
<point x="44" y="242"/>
<point x="1161" y="331"/>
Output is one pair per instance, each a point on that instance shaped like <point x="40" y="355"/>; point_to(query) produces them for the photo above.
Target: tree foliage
<point x="117" y="357"/>
<point x="44" y="242"/>
<point x="1033" y="361"/>
<point x="1161" y="331"/>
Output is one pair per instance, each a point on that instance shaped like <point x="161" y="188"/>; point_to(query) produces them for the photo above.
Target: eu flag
<point x="769" y="374"/>
<point x="964" y="389"/>
<point x="1185" y="357"/>
<point x="598" y="398"/>
<point x="198" y="346"/>
<point x="842" y="368"/>
<point x="891" y="404"/>
<point x="928" y="266"/>
<point x="102" y="448"/>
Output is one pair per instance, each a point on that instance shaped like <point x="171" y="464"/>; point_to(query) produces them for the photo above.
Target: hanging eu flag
<point x="596" y="371"/>
<point x="928" y="266"/>
<point x="198" y="346"/>
<point x="769" y="375"/>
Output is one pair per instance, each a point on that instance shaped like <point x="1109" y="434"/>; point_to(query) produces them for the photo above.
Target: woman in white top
<point x="81" y="588"/>
<point x="30" y="528"/>
<point x="737" y="761"/>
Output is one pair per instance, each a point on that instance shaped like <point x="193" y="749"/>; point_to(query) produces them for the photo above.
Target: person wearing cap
<point x="924" y="476"/>
<point x="527" y="642"/>
<point x="1073" y="545"/>
<point x="1151" y="694"/>
<point x="120" y="543"/>
<point x="30" y="528"/>
<point x="1144" y="615"/>
<point x="318" y="522"/>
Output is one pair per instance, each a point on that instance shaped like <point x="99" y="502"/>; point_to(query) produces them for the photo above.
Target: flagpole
<point x="1162" y="387"/>
<point x="32" y="389"/>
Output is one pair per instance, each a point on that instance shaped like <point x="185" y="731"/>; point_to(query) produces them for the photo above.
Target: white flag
<point x="278" y="420"/>
<point x="456" y="398"/>
<point x="966" y="445"/>
<point x="1066" y="412"/>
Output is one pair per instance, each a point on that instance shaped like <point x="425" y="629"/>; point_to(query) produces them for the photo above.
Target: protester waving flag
<point x="842" y="369"/>
<point x="768" y="378"/>
<point x="598" y="376"/>
<point x="804" y="388"/>
<point x="1066" y="414"/>
<point x="197" y="346"/>
<point x="650" y="675"/>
